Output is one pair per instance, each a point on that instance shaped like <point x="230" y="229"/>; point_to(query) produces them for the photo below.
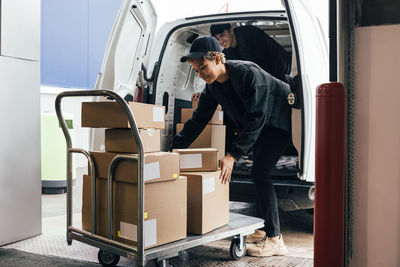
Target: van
<point x="139" y="62"/>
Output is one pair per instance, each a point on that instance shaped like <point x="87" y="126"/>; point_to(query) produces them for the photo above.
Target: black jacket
<point x="252" y="98"/>
<point x="254" y="45"/>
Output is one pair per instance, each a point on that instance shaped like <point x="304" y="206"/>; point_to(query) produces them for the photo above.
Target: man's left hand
<point x="226" y="165"/>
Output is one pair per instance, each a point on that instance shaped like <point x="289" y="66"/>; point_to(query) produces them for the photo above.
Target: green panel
<point x="54" y="146"/>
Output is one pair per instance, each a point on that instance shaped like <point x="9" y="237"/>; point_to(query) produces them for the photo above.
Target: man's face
<point x="225" y="38"/>
<point x="205" y="69"/>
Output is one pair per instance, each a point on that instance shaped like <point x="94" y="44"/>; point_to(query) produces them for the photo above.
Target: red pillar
<point x="329" y="176"/>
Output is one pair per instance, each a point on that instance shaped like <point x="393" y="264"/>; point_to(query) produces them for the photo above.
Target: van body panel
<point x="313" y="69"/>
<point x="130" y="39"/>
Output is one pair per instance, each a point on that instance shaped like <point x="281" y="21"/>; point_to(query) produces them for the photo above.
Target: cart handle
<point x="140" y="155"/>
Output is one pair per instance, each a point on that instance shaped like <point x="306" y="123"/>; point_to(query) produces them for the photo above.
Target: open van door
<point x="311" y="48"/>
<point x="129" y="41"/>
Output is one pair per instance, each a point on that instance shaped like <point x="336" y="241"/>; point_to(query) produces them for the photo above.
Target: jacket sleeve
<point x="195" y="125"/>
<point x="257" y="98"/>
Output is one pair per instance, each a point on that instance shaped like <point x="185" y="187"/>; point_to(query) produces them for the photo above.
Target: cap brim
<point x="193" y="55"/>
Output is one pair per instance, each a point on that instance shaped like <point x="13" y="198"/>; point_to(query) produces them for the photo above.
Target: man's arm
<point x="195" y="125"/>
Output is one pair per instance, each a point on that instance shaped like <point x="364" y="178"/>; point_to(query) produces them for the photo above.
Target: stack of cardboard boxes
<point x="165" y="202"/>
<point x="208" y="198"/>
<point x="195" y="202"/>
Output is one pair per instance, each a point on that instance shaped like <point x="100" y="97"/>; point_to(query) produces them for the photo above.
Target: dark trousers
<point x="269" y="147"/>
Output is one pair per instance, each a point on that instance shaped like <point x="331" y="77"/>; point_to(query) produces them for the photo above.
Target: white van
<point x="135" y="54"/>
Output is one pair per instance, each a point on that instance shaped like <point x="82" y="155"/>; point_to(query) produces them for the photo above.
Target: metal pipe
<point x="135" y="132"/>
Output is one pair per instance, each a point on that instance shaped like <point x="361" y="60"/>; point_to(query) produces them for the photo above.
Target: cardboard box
<point x="217" y="118"/>
<point x="165" y="215"/>
<point x="158" y="166"/>
<point x="101" y="206"/>
<point x="165" y="212"/>
<point x="110" y="115"/>
<point x="121" y="140"/>
<point x="211" y="136"/>
<point x="208" y="202"/>
<point x="198" y="159"/>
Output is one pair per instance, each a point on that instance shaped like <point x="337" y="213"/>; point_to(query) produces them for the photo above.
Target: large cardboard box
<point x="110" y="115"/>
<point x="101" y="206"/>
<point x="165" y="210"/>
<point x="208" y="202"/>
<point x="211" y="136"/>
<point x="198" y="159"/>
<point x="158" y="166"/>
<point x="217" y="118"/>
<point x="121" y="140"/>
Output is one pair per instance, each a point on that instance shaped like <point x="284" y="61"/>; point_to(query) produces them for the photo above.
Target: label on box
<point x="208" y="185"/>
<point x="151" y="171"/>
<point x="190" y="161"/>
<point x="220" y="115"/>
<point x="158" y="114"/>
<point x="129" y="231"/>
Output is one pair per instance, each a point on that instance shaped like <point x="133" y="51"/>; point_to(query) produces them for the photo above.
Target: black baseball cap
<point x="201" y="46"/>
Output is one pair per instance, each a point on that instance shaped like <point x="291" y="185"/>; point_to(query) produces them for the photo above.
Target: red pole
<point x="329" y="176"/>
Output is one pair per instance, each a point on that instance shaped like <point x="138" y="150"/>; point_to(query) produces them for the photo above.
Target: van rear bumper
<point x="292" y="194"/>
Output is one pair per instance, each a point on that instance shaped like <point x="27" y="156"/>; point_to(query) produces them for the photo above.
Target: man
<point x="256" y="103"/>
<point x="253" y="44"/>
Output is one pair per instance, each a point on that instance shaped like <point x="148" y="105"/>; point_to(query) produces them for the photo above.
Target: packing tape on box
<point x="208" y="185"/>
<point x="129" y="231"/>
<point x="190" y="161"/>
<point x="220" y="115"/>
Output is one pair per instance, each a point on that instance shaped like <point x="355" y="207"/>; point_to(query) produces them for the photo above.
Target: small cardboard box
<point x="165" y="210"/>
<point x="121" y="140"/>
<point x="198" y="159"/>
<point x="101" y="206"/>
<point x="164" y="213"/>
<point x="208" y="202"/>
<point x="110" y="115"/>
<point x="217" y="118"/>
<point x="211" y="136"/>
<point x="158" y="166"/>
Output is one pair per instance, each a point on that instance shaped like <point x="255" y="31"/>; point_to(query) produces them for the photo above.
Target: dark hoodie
<point x="251" y="97"/>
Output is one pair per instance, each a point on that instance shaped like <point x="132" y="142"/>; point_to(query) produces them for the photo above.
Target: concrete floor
<point x="297" y="230"/>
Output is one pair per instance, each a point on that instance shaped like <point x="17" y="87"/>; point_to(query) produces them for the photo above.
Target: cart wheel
<point x="107" y="258"/>
<point x="236" y="252"/>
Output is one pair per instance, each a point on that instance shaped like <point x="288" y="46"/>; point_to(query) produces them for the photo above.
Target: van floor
<point x="51" y="249"/>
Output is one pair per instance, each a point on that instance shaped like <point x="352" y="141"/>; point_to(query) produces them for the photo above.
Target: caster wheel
<point x="69" y="242"/>
<point x="236" y="252"/>
<point x="107" y="258"/>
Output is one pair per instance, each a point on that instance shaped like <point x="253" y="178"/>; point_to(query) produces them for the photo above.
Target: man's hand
<point x="226" y="165"/>
<point x="195" y="96"/>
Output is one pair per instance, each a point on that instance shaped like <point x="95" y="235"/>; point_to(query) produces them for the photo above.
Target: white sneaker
<point x="255" y="237"/>
<point x="268" y="247"/>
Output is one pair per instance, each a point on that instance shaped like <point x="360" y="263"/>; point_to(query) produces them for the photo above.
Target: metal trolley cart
<point x="110" y="250"/>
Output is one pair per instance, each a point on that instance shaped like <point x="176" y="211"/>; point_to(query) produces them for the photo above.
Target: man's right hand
<point x="195" y="96"/>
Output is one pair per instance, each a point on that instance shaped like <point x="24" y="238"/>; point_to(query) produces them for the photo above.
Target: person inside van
<point x="253" y="44"/>
<point x="256" y="103"/>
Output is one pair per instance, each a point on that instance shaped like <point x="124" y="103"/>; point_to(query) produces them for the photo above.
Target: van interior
<point x="176" y="91"/>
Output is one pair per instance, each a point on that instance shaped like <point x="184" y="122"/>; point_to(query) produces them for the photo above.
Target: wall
<point x="74" y="37"/>
<point x="20" y="187"/>
<point x="376" y="239"/>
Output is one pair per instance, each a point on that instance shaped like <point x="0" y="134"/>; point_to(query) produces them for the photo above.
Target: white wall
<point x="377" y="147"/>
<point x="68" y="106"/>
